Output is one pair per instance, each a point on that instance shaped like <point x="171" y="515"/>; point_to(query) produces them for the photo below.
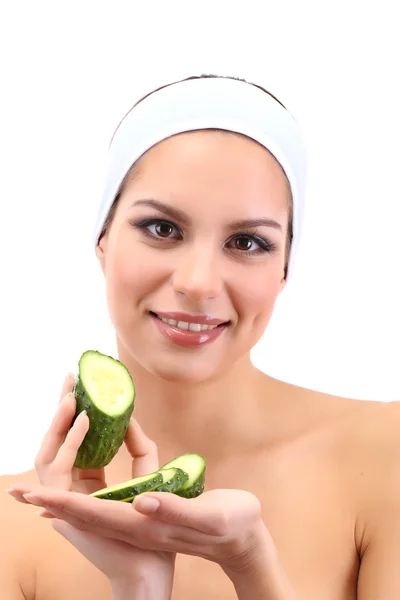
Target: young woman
<point x="196" y="236"/>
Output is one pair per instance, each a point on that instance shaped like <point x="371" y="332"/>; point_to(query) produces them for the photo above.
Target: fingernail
<point x="31" y="498"/>
<point x="64" y="399"/>
<point x="145" y="504"/>
<point x="41" y="512"/>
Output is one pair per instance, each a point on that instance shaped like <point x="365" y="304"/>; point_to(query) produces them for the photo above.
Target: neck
<point x="215" y="418"/>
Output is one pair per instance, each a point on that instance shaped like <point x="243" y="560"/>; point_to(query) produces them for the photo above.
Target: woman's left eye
<point x="158" y="229"/>
<point x="161" y="229"/>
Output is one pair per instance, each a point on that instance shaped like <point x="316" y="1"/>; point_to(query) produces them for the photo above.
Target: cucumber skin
<point x="128" y="493"/>
<point x="105" y="435"/>
<point x="173" y="484"/>
<point x="197" y="488"/>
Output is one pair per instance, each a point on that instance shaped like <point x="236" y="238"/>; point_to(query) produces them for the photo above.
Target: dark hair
<point x="135" y="167"/>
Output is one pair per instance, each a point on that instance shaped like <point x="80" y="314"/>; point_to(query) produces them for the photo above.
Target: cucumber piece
<point x="104" y="388"/>
<point x="174" y="479"/>
<point x="128" y="490"/>
<point x="167" y="480"/>
<point x="195" y="467"/>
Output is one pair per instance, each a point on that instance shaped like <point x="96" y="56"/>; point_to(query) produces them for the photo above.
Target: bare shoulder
<point x="374" y="460"/>
<point x="376" y="449"/>
<point x="364" y="437"/>
<point x="344" y="421"/>
<point x="19" y="532"/>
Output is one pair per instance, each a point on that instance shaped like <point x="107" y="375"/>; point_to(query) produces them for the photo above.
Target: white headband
<point x="206" y="103"/>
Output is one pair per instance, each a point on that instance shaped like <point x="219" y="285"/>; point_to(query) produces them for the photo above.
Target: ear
<point x="283" y="281"/>
<point x="101" y="252"/>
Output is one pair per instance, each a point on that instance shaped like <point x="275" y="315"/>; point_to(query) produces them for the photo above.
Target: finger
<point x="95" y="475"/>
<point x="55" y="435"/>
<point x="116" y="520"/>
<point x="206" y="518"/>
<point x="68" y="386"/>
<point x="85" y="537"/>
<point x="88" y="512"/>
<point x="17" y="495"/>
<point x="94" y="510"/>
<point x="142" y="449"/>
<point x="84" y="520"/>
<point x="86" y="532"/>
<point x="75" y="536"/>
<point x="20" y="498"/>
<point x="45" y="514"/>
<point x="59" y="514"/>
<point x="66" y="456"/>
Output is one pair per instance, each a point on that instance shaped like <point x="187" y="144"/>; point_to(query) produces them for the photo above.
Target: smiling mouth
<point x="185" y="326"/>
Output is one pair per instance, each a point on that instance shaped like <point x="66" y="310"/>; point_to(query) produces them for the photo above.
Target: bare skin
<point x="313" y="482"/>
<point x="323" y="467"/>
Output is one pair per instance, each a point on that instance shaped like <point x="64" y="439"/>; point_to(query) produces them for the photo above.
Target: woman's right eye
<point x="159" y="229"/>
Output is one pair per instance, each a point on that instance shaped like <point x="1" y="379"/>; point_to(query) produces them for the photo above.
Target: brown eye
<point x="243" y="243"/>
<point x="163" y="229"/>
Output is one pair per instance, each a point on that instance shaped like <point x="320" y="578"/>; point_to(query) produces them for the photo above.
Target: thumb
<point x="175" y="510"/>
<point x="142" y="449"/>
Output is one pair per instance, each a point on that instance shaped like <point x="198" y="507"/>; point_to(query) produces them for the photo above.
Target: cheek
<point x="257" y="299"/>
<point x="130" y="277"/>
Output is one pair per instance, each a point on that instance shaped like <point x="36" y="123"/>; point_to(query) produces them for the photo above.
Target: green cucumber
<point x="184" y="476"/>
<point x="127" y="490"/>
<point x="195" y="467"/>
<point x="167" y="480"/>
<point x="105" y="390"/>
<point x="174" y="479"/>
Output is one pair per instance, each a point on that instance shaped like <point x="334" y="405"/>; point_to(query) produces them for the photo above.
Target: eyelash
<point x="264" y="245"/>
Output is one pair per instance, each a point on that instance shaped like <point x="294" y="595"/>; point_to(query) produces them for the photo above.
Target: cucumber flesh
<point x="104" y="388"/>
<point x="128" y="490"/>
<point x="195" y="467"/>
<point x="174" y="479"/>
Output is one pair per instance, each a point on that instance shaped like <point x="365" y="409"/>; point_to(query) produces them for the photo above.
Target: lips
<point x="189" y="334"/>
<point x="187" y="318"/>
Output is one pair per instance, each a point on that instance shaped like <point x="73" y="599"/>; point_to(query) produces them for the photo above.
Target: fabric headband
<point x="206" y="103"/>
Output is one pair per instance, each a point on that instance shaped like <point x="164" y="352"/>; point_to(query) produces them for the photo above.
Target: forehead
<point x="210" y="163"/>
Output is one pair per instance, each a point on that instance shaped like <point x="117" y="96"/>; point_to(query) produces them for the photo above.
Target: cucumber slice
<point x="167" y="480"/>
<point x="128" y="490"/>
<point x="104" y="388"/>
<point x="174" y="479"/>
<point x="195" y="467"/>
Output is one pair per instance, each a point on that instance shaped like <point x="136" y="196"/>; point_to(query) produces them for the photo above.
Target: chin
<point x="181" y="374"/>
<point x="185" y="369"/>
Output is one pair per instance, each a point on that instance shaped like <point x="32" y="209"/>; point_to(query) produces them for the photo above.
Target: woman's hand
<point x="54" y="463"/>
<point x="129" y="569"/>
<point x="223" y="526"/>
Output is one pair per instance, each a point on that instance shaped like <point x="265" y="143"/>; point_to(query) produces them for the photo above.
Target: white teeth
<point x="188" y="326"/>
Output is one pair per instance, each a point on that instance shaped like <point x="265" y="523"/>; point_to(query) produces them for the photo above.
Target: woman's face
<point x="185" y="239"/>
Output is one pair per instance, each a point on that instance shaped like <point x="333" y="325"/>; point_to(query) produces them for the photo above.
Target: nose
<point x="198" y="275"/>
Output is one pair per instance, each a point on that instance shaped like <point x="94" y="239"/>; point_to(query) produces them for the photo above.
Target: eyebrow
<point x="179" y="215"/>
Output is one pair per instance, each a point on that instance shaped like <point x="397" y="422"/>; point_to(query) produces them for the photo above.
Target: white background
<point x="69" y="72"/>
